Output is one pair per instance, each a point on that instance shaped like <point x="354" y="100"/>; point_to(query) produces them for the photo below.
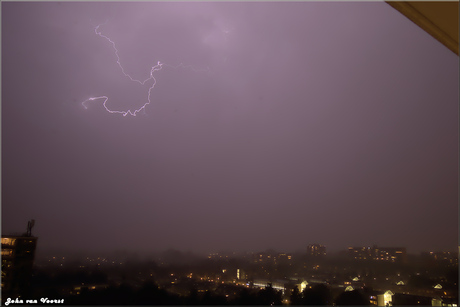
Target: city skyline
<point x="366" y="275"/>
<point x="271" y="125"/>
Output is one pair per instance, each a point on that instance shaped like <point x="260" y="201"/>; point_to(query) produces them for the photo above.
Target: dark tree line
<point x="317" y="295"/>
<point x="151" y="294"/>
<point x="321" y="295"/>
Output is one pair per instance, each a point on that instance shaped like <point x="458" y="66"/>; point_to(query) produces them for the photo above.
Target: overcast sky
<point x="297" y="123"/>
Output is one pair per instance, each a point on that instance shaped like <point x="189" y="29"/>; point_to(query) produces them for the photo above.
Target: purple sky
<point x="334" y="123"/>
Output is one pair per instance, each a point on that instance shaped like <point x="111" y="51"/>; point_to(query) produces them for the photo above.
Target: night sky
<point x="297" y="123"/>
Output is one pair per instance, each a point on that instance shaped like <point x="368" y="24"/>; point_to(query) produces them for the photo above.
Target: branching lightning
<point x="155" y="68"/>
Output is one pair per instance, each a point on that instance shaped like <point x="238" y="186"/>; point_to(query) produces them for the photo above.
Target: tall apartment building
<point x="316" y="250"/>
<point x="18" y="254"/>
<point x="390" y="254"/>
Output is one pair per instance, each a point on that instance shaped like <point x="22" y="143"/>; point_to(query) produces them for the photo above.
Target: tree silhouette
<point x="269" y="296"/>
<point x="192" y="299"/>
<point x="244" y="298"/>
<point x="352" y="298"/>
<point x="212" y="299"/>
<point x="296" y="297"/>
<point x="317" y="295"/>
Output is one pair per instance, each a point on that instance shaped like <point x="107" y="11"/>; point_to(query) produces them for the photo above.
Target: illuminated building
<point x="279" y="285"/>
<point x="316" y="250"/>
<point x="360" y="253"/>
<point x="389" y="254"/>
<point x="240" y="274"/>
<point x="271" y="258"/>
<point x="264" y="283"/>
<point x="447" y="258"/>
<point x="349" y="288"/>
<point x="303" y="285"/>
<point x="381" y="298"/>
<point x="392" y="254"/>
<point x="17" y="262"/>
<point x="283" y="258"/>
<point x="385" y="299"/>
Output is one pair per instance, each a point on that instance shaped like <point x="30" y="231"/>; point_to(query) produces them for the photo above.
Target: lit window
<point x="8" y="241"/>
<point x="7" y="252"/>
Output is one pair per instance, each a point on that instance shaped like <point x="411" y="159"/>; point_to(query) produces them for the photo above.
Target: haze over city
<point x="286" y="124"/>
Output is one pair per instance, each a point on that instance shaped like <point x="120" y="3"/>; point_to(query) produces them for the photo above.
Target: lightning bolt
<point x="155" y="68"/>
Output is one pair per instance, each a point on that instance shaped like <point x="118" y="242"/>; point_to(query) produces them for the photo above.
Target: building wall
<point x="17" y="263"/>
<point x="389" y="254"/>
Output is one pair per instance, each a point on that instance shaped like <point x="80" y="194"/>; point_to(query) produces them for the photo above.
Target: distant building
<point x="381" y="298"/>
<point x="18" y="254"/>
<point x="446" y="258"/>
<point x="262" y="257"/>
<point x="316" y="250"/>
<point x="280" y="285"/>
<point x="283" y="258"/>
<point x="272" y="258"/>
<point x="392" y="254"/>
<point x="361" y="253"/>
<point x="389" y="254"/>
<point x="240" y="274"/>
